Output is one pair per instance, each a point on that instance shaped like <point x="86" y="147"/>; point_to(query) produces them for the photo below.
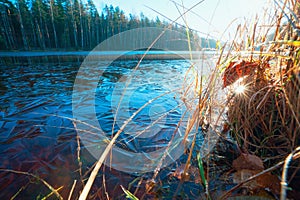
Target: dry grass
<point x="265" y="117"/>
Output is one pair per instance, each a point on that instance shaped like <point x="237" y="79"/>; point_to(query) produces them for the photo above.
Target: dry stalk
<point x="54" y="191"/>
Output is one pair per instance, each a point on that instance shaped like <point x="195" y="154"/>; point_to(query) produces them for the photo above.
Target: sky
<point x="212" y="17"/>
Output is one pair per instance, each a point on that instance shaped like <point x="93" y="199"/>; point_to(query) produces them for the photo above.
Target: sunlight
<point x="240" y="89"/>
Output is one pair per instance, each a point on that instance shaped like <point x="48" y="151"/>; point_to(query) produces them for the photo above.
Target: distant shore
<point x="108" y="55"/>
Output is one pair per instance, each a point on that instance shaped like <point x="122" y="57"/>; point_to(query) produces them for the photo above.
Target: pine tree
<point x="23" y="33"/>
<point x="8" y="15"/>
<point x="42" y="24"/>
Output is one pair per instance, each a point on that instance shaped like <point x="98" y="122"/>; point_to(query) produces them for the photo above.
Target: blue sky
<point x="220" y="13"/>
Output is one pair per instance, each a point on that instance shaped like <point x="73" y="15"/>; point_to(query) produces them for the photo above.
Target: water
<point x="39" y="137"/>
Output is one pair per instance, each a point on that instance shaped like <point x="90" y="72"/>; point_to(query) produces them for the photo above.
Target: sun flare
<point x="240" y="89"/>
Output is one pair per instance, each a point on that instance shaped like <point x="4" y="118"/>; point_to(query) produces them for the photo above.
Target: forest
<point x="69" y="25"/>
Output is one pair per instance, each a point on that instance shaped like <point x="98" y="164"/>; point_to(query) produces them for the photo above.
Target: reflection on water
<point x="37" y="135"/>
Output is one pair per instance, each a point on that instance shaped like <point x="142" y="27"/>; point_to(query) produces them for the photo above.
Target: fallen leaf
<point x="248" y="161"/>
<point x="192" y="174"/>
<point x="247" y="165"/>
<point x="179" y="173"/>
<point x="269" y="181"/>
<point x="242" y="175"/>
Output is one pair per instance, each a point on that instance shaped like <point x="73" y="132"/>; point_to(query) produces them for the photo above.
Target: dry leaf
<point x="248" y="161"/>
<point x="269" y="181"/>
<point x="242" y="175"/>
<point x="265" y="181"/>
<point x="179" y="173"/>
<point x="192" y="174"/>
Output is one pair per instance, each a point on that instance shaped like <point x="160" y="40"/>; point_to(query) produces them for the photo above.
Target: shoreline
<point x="108" y="55"/>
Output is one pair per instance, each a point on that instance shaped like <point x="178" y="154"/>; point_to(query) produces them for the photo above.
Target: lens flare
<point x="240" y="89"/>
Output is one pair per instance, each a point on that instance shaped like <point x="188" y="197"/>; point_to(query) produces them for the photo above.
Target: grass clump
<point x="262" y="76"/>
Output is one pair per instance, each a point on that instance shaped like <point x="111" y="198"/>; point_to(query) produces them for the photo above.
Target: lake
<point x="44" y="103"/>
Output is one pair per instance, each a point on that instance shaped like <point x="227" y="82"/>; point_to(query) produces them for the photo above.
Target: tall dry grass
<point x="264" y="117"/>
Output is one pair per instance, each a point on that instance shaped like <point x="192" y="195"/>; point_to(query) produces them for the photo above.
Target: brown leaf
<point x="248" y="161"/>
<point x="179" y="173"/>
<point x="192" y="174"/>
<point x="242" y="175"/>
<point x="265" y="181"/>
<point x="269" y="181"/>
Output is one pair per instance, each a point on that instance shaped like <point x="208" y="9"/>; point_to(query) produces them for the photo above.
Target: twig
<point x="78" y="154"/>
<point x="51" y="193"/>
<point x="36" y="177"/>
<point x="72" y="189"/>
<point x="104" y="186"/>
<point x="19" y="191"/>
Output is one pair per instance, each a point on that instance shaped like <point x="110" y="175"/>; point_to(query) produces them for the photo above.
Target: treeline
<point x="64" y="24"/>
